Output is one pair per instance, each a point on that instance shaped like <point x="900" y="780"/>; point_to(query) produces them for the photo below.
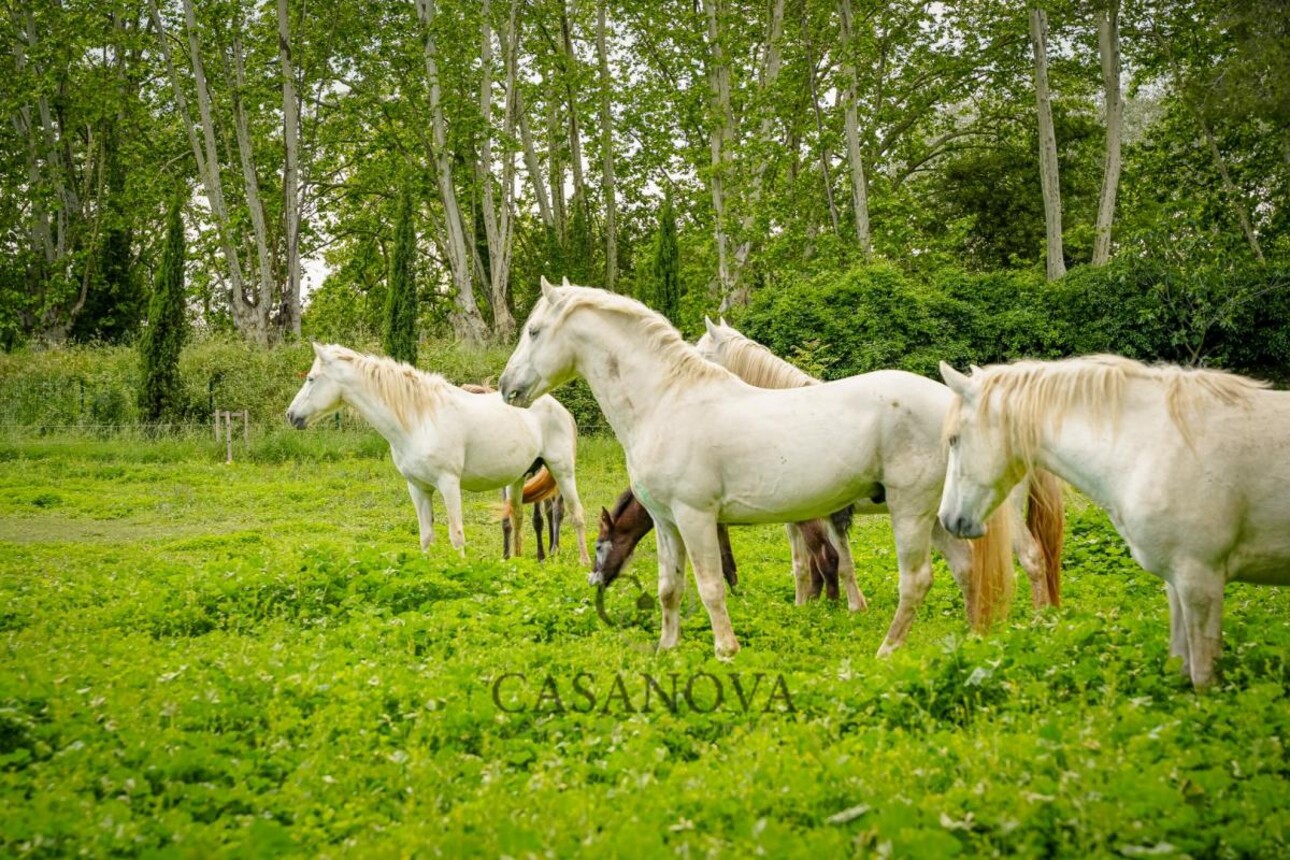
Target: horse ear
<point x="321" y="352"/>
<point x="976" y="371"/>
<point x="710" y="326"/>
<point x="606" y="518"/>
<point x="548" y="290"/>
<point x="958" y="382"/>
<point x="566" y="281"/>
<point x="723" y="323"/>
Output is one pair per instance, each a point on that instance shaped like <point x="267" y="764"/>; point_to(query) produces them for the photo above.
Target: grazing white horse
<point x="1193" y="467"/>
<point x="443" y="438"/>
<point x="1038" y="546"/>
<point x="705" y="447"/>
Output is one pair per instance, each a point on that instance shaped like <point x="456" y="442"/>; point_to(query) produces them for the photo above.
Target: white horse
<point x="705" y="447"/>
<point x="1193" y="467"/>
<point x="443" y="438"/>
<point x="1038" y="546"/>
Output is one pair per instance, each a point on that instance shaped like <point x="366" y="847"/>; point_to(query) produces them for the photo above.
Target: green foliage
<point x="401" y="336"/>
<point x="160" y="394"/>
<point x="1228" y="317"/>
<point x="665" y="288"/>
<point x="256" y="659"/>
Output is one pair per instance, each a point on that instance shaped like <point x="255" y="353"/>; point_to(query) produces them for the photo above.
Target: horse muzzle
<point x="963" y="527"/>
<point x="513" y="393"/>
<point x="297" y="421"/>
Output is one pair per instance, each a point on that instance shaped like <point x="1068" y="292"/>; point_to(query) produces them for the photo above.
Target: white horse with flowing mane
<point x="444" y="438"/>
<point x="1193" y="467"/>
<point x="1038" y="546"/>
<point x="705" y="447"/>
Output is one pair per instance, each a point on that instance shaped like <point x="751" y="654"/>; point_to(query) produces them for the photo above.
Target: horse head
<point x="320" y="396"/>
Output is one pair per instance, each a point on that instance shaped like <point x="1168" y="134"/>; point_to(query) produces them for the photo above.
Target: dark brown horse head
<point x="620" y="531"/>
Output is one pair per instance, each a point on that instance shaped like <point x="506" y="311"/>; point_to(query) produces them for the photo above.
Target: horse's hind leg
<point x="563" y="474"/>
<point x="914" y="555"/>
<point x="450" y="489"/>
<point x="847" y="571"/>
<point x="671" y="582"/>
<point x="554" y="518"/>
<point x="537" y="530"/>
<point x="515" y="512"/>
<point x="699" y="531"/>
<point x="506" y="524"/>
<point x="805" y="586"/>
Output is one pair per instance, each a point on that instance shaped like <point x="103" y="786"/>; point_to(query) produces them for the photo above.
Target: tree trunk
<point x="721" y="123"/>
<point x="264" y="299"/>
<point x="859" y="188"/>
<point x="497" y="225"/>
<point x="467" y="323"/>
<point x="1048" y="175"/>
<point x="608" y="181"/>
<point x="290" y="173"/>
<point x="1108" y="44"/>
<point x="819" y="124"/>
<point x="245" y="316"/>
<point x="766" y="77"/>
<point x="571" y="93"/>
<point x="532" y="164"/>
<point x="1229" y="187"/>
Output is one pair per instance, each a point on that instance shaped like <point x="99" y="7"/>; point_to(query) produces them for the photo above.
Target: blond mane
<point x="1039" y="394"/>
<point x="686" y="364"/>
<point x="409" y="392"/>
<point x="757" y="365"/>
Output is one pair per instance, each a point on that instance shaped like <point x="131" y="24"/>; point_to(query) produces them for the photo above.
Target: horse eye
<point x="309" y="379"/>
<point x="954" y="441"/>
<point x="533" y="331"/>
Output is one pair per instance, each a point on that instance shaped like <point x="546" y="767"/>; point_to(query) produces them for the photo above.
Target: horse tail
<point x="1046" y="522"/>
<point x="540" y="487"/>
<point x="992" y="574"/>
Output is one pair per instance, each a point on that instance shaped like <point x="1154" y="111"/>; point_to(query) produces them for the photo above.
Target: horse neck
<point x="626" y="374"/>
<point x="1083" y="450"/>
<point x="360" y="394"/>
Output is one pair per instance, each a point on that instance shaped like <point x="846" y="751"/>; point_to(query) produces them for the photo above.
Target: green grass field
<point x="256" y="659"/>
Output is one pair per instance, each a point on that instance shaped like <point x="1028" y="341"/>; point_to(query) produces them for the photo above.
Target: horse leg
<point x="728" y="567"/>
<point x="671" y="582"/>
<point x="805" y="587"/>
<point x="958" y="555"/>
<point x="450" y="489"/>
<point x="914" y="556"/>
<point x="506" y="524"/>
<point x="563" y="474"/>
<point x="1027" y="548"/>
<point x="554" y="517"/>
<point x="516" y="513"/>
<point x="537" y="530"/>
<point x="847" y="571"/>
<point x="699" y="532"/>
<point x="1200" y="590"/>
<point x="425" y="513"/>
<point x="1178" y="629"/>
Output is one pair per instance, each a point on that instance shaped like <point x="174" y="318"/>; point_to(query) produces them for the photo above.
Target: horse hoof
<point x="885" y="650"/>
<point x="727" y="653"/>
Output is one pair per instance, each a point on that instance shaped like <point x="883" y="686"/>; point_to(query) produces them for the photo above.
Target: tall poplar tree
<point x="401" y="295"/>
<point x="167" y="329"/>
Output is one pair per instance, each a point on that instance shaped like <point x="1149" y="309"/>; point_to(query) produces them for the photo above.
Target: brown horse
<point x="623" y="529"/>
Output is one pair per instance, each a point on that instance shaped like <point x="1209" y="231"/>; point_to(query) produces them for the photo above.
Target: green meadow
<point x="200" y="659"/>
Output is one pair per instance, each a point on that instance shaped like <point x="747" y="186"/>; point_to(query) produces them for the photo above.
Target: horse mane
<point x="623" y="503"/>
<point x="757" y="365"/>
<point x="1039" y="394"/>
<point x="687" y="365"/>
<point x="409" y="392"/>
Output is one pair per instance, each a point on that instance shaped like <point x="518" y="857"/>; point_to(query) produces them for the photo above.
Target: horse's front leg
<point x="1027" y="549"/>
<point x="537" y="530"/>
<point x="699" y="531"/>
<point x="450" y="489"/>
<point x="671" y="581"/>
<point x="914" y="556"/>
<point x="1178" y="629"/>
<point x="425" y="513"/>
<point x="1200" y="590"/>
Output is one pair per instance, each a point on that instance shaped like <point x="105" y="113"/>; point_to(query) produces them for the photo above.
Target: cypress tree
<point x="667" y="265"/>
<point x="401" y="295"/>
<point x="167" y="328"/>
